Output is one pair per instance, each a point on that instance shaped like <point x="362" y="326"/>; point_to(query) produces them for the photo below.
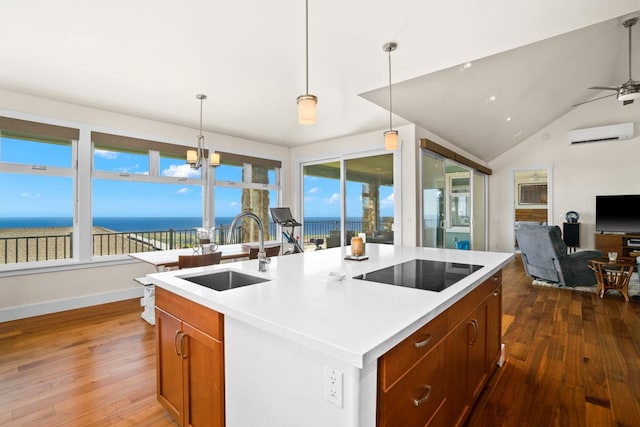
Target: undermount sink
<point x="224" y="280"/>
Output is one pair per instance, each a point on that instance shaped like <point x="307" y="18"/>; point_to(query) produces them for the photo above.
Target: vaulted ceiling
<point x="149" y="59"/>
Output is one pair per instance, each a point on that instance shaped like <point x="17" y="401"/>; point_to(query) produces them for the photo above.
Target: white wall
<point x="40" y="291"/>
<point x="580" y="172"/>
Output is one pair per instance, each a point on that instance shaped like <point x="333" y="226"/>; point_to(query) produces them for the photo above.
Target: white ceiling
<point x="150" y="58"/>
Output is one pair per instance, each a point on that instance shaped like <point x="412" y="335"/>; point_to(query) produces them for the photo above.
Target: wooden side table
<point x="613" y="275"/>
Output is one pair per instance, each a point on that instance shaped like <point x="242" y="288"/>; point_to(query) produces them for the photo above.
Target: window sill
<point x="62" y="265"/>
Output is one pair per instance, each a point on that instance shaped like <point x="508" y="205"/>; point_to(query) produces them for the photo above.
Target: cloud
<point x="183" y="190"/>
<point x="387" y="201"/>
<point x="27" y="195"/>
<point x="233" y="204"/>
<point x="335" y="197"/>
<point x="314" y="190"/>
<point x="181" y="171"/>
<point x="105" y="154"/>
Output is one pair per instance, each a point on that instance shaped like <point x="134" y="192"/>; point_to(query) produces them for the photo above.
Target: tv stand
<point x="620" y="243"/>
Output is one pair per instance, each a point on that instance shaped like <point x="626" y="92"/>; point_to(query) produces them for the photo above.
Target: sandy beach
<point x="18" y="245"/>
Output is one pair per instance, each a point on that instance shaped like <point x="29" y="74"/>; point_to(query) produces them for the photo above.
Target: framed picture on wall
<point x="532" y="194"/>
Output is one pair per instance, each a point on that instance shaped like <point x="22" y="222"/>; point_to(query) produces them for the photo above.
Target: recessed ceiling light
<point x="508" y="119"/>
<point x="492" y="98"/>
<point x="465" y="66"/>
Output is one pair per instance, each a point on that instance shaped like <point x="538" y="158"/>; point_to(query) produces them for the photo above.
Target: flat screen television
<point x="618" y="213"/>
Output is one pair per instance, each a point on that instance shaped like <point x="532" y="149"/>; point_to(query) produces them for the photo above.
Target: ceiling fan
<point x="629" y="90"/>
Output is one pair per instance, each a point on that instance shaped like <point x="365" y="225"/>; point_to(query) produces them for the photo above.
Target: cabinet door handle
<point x="421" y="400"/>
<point x="183" y="354"/>
<point x="497" y="292"/>
<point x="474" y="338"/>
<point x="422" y="343"/>
<point x="175" y="343"/>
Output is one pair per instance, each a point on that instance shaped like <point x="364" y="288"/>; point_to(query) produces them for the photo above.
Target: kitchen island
<point x="301" y="349"/>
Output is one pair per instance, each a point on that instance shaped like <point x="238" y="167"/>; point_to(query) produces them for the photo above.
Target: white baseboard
<point x="22" y="312"/>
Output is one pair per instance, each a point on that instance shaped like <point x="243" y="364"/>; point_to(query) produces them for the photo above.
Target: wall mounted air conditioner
<point x="601" y="133"/>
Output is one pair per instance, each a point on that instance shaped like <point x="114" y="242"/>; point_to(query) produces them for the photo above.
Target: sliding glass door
<point x="433" y="211"/>
<point x="345" y="197"/>
<point x="322" y="208"/>
<point x="369" y="198"/>
<point x="453" y="207"/>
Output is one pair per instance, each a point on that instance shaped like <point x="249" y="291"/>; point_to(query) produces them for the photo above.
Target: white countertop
<point x="353" y="320"/>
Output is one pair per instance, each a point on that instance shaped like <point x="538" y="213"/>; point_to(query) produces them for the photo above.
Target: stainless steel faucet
<point x="262" y="255"/>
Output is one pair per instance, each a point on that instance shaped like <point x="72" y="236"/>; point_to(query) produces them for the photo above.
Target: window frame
<point x="154" y="149"/>
<point x="246" y="184"/>
<point x="45" y="133"/>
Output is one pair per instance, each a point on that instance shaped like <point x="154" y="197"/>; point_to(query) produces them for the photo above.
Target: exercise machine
<point x="283" y="217"/>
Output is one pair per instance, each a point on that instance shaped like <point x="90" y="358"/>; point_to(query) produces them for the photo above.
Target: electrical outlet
<point x="333" y="386"/>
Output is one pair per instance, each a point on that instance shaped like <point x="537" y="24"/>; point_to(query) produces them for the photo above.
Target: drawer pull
<point x="420" y="401"/>
<point x="422" y="343"/>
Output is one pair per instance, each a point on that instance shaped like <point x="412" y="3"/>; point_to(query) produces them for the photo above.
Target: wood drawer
<point x="457" y="312"/>
<point x="418" y="396"/>
<point x="394" y="363"/>
<point x="208" y="321"/>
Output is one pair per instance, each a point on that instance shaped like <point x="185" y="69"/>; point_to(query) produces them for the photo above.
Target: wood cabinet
<point x="190" y="360"/>
<point x="412" y="380"/>
<point x="434" y="377"/>
<point x="617" y="243"/>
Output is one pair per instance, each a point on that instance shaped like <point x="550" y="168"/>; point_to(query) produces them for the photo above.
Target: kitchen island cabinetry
<point x="303" y="349"/>
<point x="190" y="367"/>
<point x="433" y="377"/>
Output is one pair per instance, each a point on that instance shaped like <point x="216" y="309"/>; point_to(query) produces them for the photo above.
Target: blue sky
<point x="322" y="198"/>
<point x="37" y="195"/>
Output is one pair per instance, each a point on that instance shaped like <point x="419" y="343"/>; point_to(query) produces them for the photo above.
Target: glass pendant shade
<point x="215" y="159"/>
<point x="307" y="109"/>
<point x="192" y="157"/>
<point x="391" y="140"/>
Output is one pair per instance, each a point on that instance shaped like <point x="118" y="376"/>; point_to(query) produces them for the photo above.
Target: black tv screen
<point x="618" y="213"/>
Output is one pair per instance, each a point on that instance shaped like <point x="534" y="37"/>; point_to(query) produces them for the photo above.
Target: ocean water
<point x="130" y="223"/>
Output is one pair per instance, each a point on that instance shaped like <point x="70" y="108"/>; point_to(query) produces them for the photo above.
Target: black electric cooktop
<point x="421" y="274"/>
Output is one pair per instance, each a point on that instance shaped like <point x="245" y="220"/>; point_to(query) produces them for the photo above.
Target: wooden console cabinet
<point x="616" y="243"/>
<point x="189" y="360"/>
<point x="433" y="377"/>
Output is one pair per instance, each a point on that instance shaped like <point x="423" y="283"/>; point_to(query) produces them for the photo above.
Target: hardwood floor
<point x="573" y="359"/>
<point x="89" y="367"/>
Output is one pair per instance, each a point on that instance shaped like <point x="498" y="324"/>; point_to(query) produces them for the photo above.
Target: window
<point x="37" y="186"/>
<point x="144" y="196"/>
<point x="122" y="162"/>
<point x="244" y="183"/>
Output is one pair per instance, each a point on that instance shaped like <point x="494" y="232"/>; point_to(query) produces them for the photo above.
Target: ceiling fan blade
<point x="596" y="99"/>
<point x="627" y="102"/>
<point x="604" y="87"/>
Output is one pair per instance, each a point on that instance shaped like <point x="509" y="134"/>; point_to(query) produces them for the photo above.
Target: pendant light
<point x="390" y="136"/>
<point x="307" y="102"/>
<point x="195" y="158"/>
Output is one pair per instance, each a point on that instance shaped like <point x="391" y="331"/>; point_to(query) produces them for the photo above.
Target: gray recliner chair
<point x="544" y="255"/>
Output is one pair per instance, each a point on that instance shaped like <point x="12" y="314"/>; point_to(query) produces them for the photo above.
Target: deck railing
<point x="35" y="248"/>
<point x="44" y="248"/>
